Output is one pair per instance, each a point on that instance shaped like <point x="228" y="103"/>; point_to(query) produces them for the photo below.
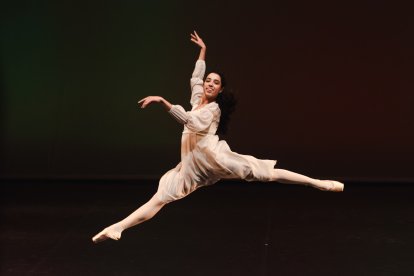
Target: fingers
<point x="146" y="101"/>
<point x="196" y="34"/>
<point x="197" y="40"/>
<point x="194" y="39"/>
<point x="143" y="102"/>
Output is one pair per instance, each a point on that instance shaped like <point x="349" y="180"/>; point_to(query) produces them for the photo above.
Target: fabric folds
<point x="204" y="158"/>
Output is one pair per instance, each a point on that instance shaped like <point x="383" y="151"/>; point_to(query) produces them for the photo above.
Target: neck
<point x="204" y="100"/>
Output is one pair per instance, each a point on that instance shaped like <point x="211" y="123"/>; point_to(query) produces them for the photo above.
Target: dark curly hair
<point x="227" y="103"/>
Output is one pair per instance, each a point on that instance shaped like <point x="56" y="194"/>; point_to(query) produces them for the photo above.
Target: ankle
<point x="119" y="226"/>
<point x="318" y="183"/>
<point x="321" y="184"/>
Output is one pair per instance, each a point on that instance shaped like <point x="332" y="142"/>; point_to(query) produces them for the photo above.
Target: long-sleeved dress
<point x="204" y="158"/>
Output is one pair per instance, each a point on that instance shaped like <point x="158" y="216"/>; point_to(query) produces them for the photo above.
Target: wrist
<point x="167" y="105"/>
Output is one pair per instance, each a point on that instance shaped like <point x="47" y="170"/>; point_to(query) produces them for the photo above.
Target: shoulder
<point x="214" y="108"/>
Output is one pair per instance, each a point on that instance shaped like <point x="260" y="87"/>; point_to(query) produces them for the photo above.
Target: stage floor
<point x="230" y="228"/>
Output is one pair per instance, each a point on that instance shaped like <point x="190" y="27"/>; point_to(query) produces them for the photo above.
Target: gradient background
<point x="325" y="88"/>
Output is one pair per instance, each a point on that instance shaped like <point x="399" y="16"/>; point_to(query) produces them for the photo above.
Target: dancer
<point x="204" y="158"/>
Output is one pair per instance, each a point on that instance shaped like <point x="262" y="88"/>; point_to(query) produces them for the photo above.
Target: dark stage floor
<point x="231" y="228"/>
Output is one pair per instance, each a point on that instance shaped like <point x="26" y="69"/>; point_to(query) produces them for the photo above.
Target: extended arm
<point x="195" y="122"/>
<point x="155" y="99"/>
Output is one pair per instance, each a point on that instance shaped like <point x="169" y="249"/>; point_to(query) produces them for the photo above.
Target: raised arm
<point x="197" y="77"/>
<point x="196" y="86"/>
<point x="197" y="40"/>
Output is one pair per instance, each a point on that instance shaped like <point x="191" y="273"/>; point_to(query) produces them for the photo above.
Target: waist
<point x="186" y="131"/>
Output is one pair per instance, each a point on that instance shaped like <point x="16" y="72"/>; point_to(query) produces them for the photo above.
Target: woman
<point x="204" y="159"/>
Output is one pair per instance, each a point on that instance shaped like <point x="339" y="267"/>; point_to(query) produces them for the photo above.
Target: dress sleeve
<point x="194" y="120"/>
<point x="196" y="82"/>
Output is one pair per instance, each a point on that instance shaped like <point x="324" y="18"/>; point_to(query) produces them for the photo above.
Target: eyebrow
<point x="213" y="79"/>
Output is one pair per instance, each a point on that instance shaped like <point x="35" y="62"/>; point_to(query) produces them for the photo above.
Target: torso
<point x="201" y="106"/>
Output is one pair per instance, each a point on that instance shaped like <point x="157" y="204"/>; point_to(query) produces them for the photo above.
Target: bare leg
<point x="288" y="177"/>
<point x="143" y="213"/>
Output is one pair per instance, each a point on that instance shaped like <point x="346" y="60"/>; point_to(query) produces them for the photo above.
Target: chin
<point x="210" y="97"/>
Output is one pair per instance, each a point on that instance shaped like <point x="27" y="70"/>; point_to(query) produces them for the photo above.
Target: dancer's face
<point x="212" y="86"/>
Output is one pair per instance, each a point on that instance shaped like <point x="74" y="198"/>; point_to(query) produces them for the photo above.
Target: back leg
<point x="288" y="177"/>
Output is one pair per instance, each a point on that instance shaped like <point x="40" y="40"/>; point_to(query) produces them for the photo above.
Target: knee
<point x="159" y="200"/>
<point x="275" y="175"/>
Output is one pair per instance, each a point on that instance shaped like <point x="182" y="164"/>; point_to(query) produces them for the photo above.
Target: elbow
<point x="179" y="114"/>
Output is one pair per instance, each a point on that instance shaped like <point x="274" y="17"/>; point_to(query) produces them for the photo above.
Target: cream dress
<point x="204" y="159"/>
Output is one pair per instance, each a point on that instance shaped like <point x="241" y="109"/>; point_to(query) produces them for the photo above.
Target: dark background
<point x="324" y="87"/>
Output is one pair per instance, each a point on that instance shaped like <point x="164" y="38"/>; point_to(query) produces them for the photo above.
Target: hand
<point x="197" y="40"/>
<point x="150" y="99"/>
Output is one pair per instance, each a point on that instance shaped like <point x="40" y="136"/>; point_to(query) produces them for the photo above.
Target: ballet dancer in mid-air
<point x="204" y="158"/>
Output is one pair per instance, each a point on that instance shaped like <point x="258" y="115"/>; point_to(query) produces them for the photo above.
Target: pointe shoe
<point x="333" y="186"/>
<point x="105" y="234"/>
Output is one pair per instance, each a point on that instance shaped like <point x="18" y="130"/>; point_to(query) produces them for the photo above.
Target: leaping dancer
<point x="204" y="158"/>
